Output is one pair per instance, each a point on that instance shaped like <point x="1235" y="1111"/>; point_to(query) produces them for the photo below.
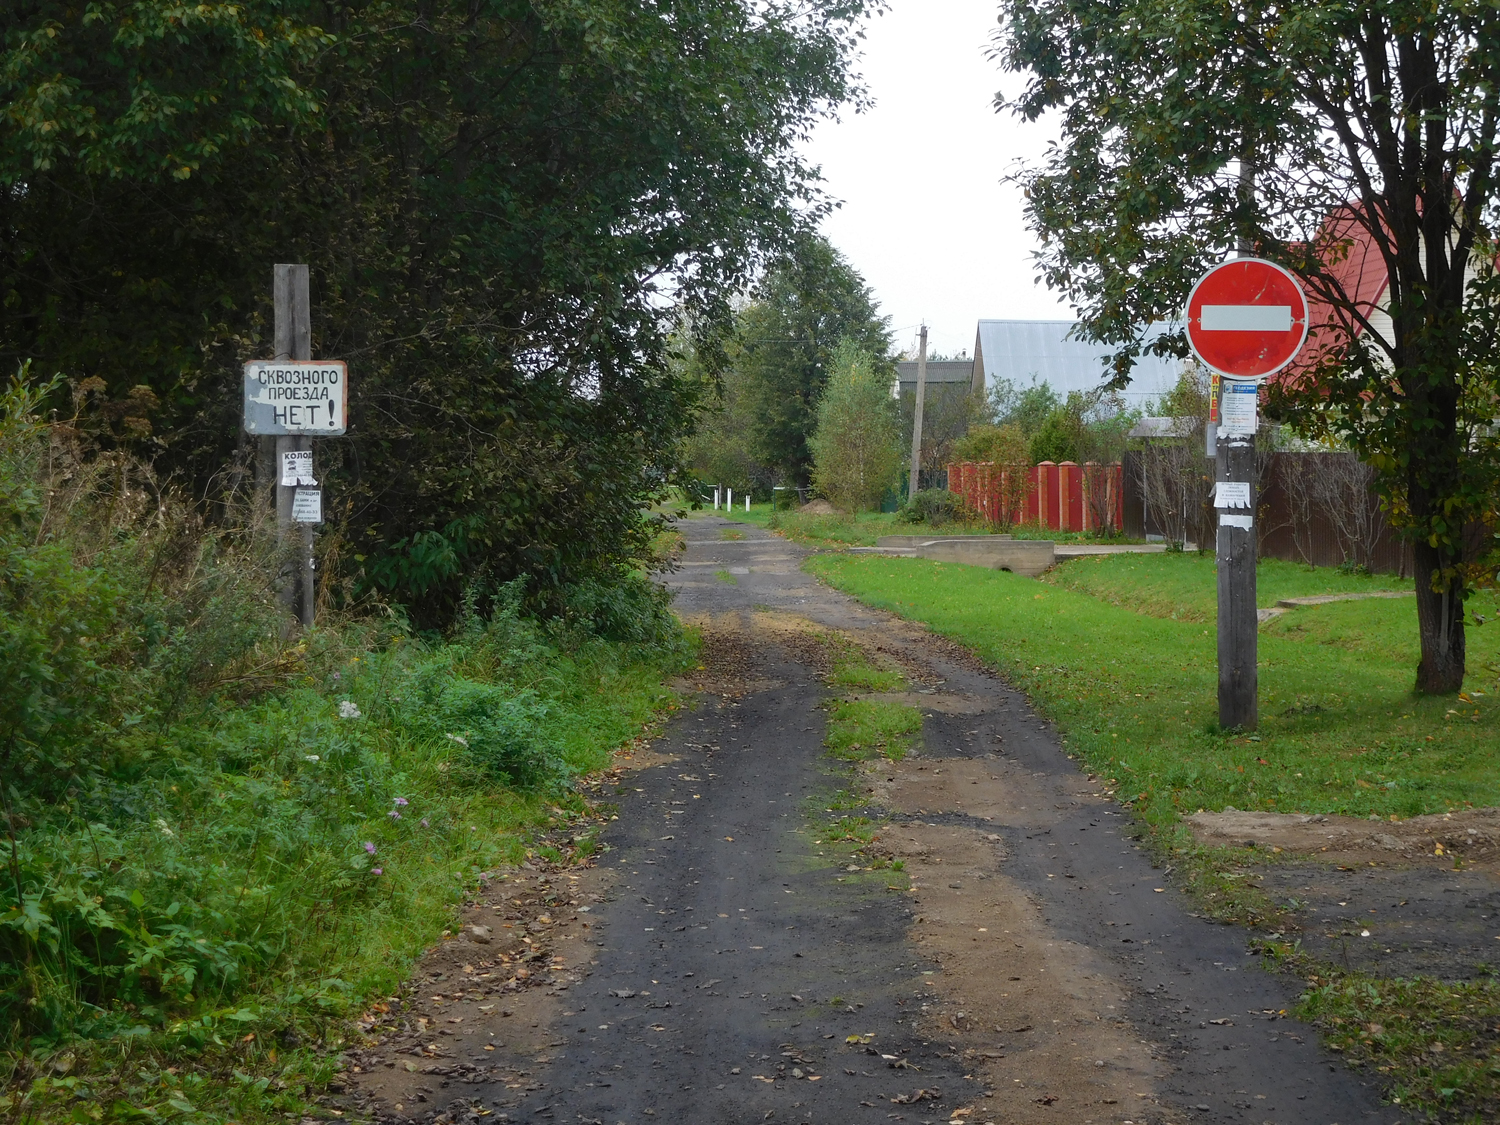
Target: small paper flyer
<point x="297" y="468"/>
<point x="307" y="505"/>
<point x="1238" y="412"/>
<point x="1232" y="494"/>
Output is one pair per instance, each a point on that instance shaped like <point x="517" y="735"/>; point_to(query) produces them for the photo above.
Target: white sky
<point x="925" y="217"/>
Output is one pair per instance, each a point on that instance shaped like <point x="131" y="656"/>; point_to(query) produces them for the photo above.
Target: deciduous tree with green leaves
<point x="804" y="307"/>
<point x="1307" y="130"/>
<point x="857" y="446"/>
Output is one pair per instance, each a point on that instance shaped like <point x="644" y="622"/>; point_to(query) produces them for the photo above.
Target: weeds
<point x="1436" y="1043"/>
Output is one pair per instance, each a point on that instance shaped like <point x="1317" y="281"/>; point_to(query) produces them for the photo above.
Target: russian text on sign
<point x="1232" y="494"/>
<point x="307" y="505"/>
<point x="286" y="397"/>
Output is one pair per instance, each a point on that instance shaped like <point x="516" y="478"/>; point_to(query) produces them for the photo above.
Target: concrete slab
<point x="930" y="537"/>
<point x="1020" y="556"/>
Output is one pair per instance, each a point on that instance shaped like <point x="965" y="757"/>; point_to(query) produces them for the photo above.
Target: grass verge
<point x="862" y="529"/>
<point x="859" y="730"/>
<point x="204" y="923"/>
<point x="1181" y="586"/>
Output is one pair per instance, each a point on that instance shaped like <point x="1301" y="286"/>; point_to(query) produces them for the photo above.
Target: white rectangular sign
<point x="1237" y="415"/>
<point x="1232" y="494"/>
<point x="309" y="398"/>
<point x="297" y="468"/>
<point x="307" y="505"/>
<point x="1246" y="318"/>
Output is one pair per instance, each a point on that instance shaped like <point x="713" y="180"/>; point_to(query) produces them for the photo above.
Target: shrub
<point x="935" y="507"/>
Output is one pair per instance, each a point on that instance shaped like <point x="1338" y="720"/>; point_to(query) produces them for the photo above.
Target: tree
<point x="857" y="444"/>
<point x="1307" y="130"/>
<point x="1025" y="407"/>
<point x="806" y="305"/>
<point x="506" y="206"/>
<point x="1007" y="448"/>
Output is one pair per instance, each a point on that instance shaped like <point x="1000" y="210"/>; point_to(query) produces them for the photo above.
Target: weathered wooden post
<point x="290" y="400"/>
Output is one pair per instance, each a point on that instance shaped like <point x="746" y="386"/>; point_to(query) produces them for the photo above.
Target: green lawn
<point x="863" y="529"/>
<point x="1182" y="586"/>
<point x="1134" y="694"/>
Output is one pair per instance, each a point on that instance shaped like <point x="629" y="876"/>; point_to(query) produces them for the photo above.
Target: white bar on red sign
<point x="1246" y="318"/>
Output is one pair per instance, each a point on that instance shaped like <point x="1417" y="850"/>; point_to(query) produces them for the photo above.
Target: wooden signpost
<point x="1247" y="319"/>
<point x="289" y="400"/>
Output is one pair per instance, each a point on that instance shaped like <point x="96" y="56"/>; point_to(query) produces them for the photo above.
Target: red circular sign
<point x="1246" y="318"/>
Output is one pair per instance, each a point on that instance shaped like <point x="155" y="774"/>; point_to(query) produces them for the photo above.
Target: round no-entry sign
<point x="1247" y="318"/>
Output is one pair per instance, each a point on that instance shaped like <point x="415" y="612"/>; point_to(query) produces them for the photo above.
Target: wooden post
<point x="293" y="340"/>
<point x="1235" y="555"/>
<point x="916" y="426"/>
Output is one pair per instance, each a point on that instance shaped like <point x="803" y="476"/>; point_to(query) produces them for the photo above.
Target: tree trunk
<point x="1440" y="622"/>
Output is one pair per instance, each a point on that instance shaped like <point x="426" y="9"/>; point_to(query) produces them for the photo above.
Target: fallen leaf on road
<point x="914" y="1098"/>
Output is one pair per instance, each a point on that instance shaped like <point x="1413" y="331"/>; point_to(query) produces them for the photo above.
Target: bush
<point x="498" y="728"/>
<point x="935" y="507"/>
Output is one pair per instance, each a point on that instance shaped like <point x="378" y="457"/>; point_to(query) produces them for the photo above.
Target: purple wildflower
<point x="377" y="871"/>
<point x="394" y="815"/>
<point x="369" y="847"/>
<point x="399" y="801"/>
<point x="425" y="824"/>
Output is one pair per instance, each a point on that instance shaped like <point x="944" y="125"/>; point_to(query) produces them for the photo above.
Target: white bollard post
<point x="716" y="498"/>
<point x="728" y="504"/>
<point x="747" y="503"/>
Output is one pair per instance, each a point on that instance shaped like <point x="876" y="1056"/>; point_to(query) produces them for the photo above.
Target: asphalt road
<point x="734" y="962"/>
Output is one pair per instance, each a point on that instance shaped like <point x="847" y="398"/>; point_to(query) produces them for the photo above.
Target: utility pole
<point x="916" y="428"/>
<point x="1235" y="547"/>
<point x="293" y="341"/>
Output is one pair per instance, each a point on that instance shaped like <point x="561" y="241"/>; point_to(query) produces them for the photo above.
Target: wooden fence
<point x="1295" y="522"/>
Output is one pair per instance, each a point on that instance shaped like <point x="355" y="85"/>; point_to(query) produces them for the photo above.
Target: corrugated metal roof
<point x="1027" y="351"/>
<point x="938" y="370"/>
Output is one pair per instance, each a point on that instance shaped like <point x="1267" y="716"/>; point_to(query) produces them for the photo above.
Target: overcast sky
<point x="925" y="217"/>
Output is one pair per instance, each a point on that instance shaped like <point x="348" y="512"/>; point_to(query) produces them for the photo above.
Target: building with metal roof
<point x="1042" y="351"/>
<point x="947" y="371"/>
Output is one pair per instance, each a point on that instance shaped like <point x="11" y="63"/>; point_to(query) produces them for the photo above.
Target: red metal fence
<point x="1063" y="496"/>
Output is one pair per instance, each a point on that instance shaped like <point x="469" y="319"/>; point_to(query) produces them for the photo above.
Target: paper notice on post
<point x="297" y="468"/>
<point x="1238" y="413"/>
<point x="1232" y="494"/>
<point x="307" y="505"/>
<point x="1243" y="522"/>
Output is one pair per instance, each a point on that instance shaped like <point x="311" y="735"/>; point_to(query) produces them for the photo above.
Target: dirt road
<point x="716" y="967"/>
